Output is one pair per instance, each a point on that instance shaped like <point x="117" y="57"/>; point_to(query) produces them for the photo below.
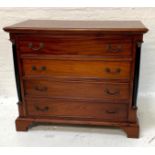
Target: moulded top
<point x="70" y="25"/>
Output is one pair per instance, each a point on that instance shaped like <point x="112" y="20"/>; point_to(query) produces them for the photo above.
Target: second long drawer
<point x="80" y="69"/>
<point x="77" y="89"/>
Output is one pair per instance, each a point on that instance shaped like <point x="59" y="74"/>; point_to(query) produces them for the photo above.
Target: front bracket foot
<point x="22" y="124"/>
<point x="132" y="131"/>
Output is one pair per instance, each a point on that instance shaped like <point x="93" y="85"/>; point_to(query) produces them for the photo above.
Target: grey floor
<point x="51" y="135"/>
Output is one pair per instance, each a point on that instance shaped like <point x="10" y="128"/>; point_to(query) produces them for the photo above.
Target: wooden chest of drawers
<point x="77" y="72"/>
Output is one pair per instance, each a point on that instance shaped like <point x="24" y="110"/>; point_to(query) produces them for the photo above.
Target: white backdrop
<point x="10" y="16"/>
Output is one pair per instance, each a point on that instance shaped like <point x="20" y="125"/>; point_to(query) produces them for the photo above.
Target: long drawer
<point x="75" y="45"/>
<point x="74" y="109"/>
<point x="72" y="68"/>
<point x="77" y="89"/>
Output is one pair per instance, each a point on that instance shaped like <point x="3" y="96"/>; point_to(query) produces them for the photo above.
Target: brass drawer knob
<point x="117" y="71"/>
<point x="34" y="68"/>
<point x="41" y="45"/>
<point x="111" y="111"/>
<point x="117" y="92"/>
<point x="114" y="49"/>
<point x="42" y="68"/>
<point x="45" y="109"/>
<point x="42" y="89"/>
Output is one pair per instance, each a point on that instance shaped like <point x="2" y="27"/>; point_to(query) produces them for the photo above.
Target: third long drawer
<point x="77" y="89"/>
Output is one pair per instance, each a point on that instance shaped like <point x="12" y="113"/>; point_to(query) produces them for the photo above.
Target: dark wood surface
<point x="48" y="25"/>
<point x="75" y="45"/>
<point x="17" y="76"/>
<point x="71" y="68"/>
<point x="77" y="109"/>
<point x="77" y="90"/>
<point x="77" y="72"/>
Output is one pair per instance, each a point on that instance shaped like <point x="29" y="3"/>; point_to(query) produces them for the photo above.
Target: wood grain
<point x="78" y="72"/>
<point x="77" y="89"/>
<point x="34" y="26"/>
<point x="75" y="45"/>
<point x="44" y="107"/>
<point x="70" y="68"/>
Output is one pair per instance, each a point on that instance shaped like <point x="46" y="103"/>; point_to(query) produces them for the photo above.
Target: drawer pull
<point x="111" y="111"/>
<point x="42" y="109"/>
<point x="34" y="68"/>
<point x="117" y="71"/>
<point x="41" y="45"/>
<point x="42" y="89"/>
<point x="42" y="68"/>
<point x="117" y="92"/>
<point x="114" y="49"/>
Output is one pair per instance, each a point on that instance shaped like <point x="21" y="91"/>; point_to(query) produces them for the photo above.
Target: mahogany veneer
<point x="77" y="72"/>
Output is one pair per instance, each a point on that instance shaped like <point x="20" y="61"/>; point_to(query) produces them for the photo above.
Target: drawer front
<point x="77" y="89"/>
<point x="76" y="109"/>
<point x="83" y="69"/>
<point x="75" y="45"/>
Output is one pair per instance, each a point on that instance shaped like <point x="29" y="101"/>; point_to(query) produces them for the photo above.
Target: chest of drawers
<point x="77" y="72"/>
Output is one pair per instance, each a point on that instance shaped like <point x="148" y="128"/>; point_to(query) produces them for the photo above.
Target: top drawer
<point x="75" y="45"/>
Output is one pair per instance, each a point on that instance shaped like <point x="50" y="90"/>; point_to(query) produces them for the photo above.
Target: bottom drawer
<point x="77" y="109"/>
